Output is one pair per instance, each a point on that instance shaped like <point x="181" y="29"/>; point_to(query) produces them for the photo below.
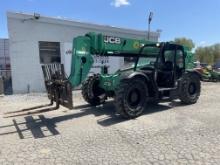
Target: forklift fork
<point x="29" y="109"/>
<point x="59" y="90"/>
<point x="58" y="87"/>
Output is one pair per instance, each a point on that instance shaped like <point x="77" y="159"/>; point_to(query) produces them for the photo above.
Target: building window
<point x="49" y="52"/>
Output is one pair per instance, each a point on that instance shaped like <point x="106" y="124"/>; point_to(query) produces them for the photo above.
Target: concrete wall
<point x="25" y="32"/>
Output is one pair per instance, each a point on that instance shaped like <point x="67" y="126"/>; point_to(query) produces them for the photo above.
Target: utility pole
<point x="149" y="21"/>
<point x="4" y="71"/>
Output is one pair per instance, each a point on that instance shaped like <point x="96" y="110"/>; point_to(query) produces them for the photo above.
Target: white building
<point x="36" y="39"/>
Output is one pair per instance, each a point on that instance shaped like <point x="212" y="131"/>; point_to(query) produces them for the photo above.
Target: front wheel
<point x="131" y="98"/>
<point x="190" y="89"/>
<point x="91" y="91"/>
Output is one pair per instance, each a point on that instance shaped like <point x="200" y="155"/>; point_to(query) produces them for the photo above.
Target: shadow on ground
<point x="41" y="127"/>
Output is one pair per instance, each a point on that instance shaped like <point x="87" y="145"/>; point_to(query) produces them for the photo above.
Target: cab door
<point x="166" y="69"/>
<point x="171" y="66"/>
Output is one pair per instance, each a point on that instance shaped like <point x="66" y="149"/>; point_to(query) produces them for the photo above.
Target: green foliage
<point x="208" y="54"/>
<point x="185" y="42"/>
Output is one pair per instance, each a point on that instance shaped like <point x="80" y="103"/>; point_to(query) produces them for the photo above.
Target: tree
<point x="185" y="42"/>
<point x="208" y="54"/>
<point x="216" y="52"/>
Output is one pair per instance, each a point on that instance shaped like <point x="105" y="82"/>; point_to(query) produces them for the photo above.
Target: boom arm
<point x="84" y="47"/>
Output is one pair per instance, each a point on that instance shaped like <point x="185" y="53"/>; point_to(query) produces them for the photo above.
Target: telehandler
<point x="160" y="71"/>
<point x="157" y="72"/>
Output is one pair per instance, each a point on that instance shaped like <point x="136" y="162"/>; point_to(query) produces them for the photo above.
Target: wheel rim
<point x="96" y="91"/>
<point x="134" y="98"/>
<point x="95" y="88"/>
<point x="192" y="89"/>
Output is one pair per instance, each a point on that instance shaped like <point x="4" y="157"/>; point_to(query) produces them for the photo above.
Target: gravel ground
<point x="169" y="133"/>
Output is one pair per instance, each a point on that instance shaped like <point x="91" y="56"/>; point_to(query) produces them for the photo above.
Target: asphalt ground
<point x="169" y="133"/>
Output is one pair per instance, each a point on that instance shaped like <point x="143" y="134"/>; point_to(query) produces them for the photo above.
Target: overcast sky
<point x="195" y="19"/>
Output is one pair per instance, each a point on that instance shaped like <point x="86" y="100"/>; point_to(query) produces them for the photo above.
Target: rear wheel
<point x="190" y="89"/>
<point x="91" y="91"/>
<point x="131" y="98"/>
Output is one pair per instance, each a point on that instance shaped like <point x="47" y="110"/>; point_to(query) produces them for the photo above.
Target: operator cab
<point x="170" y="65"/>
<point x="165" y="63"/>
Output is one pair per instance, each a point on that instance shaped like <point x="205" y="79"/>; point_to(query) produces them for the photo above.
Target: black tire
<point x="91" y="91"/>
<point x="190" y="88"/>
<point x="127" y="106"/>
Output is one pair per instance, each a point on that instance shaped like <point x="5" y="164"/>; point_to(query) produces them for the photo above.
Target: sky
<point x="194" y="19"/>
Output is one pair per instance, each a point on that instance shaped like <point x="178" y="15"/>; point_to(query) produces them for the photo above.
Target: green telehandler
<point x="160" y="71"/>
<point x="157" y="72"/>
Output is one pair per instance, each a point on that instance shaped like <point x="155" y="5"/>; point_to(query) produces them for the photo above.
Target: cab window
<point x="169" y="55"/>
<point x="179" y="58"/>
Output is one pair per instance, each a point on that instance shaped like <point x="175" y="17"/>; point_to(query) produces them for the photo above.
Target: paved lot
<point x="166" y="134"/>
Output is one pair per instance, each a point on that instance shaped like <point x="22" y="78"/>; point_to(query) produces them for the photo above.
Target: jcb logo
<point x="112" y="40"/>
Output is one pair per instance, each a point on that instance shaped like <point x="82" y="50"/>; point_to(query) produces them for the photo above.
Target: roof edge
<point x="70" y="22"/>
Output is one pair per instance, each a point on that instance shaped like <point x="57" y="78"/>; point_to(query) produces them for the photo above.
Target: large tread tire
<point x="91" y="91"/>
<point x="190" y="88"/>
<point x="124" y="107"/>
